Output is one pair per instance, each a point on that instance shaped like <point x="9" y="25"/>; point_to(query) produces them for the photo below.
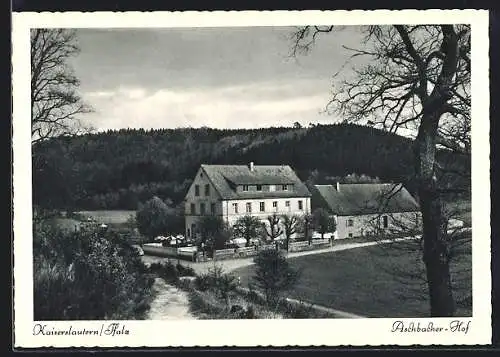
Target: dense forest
<point x="120" y="169"/>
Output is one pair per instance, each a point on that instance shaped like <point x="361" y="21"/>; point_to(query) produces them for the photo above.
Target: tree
<point x="274" y="230"/>
<point x="417" y="79"/>
<point x="273" y="274"/>
<point x="323" y="222"/>
<point x="247" y="227"/>
<point x="214" y="231"/>
<point x="55" y="103"/>
<point x="152" y="217"/>
<point x="307" y="227"/>
<point x="291" y="225"/>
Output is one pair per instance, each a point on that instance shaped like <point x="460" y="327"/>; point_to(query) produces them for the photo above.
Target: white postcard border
<point x="311" y="332"/>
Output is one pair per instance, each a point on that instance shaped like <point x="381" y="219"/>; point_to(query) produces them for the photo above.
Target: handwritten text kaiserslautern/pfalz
<point x="108" y="329"/>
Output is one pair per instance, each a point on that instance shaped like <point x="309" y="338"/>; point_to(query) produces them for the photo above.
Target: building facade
<point x="233" y="191"/>
<point x="367" y="209"/>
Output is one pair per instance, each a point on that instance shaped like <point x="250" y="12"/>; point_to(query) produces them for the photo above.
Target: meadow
<point x="376" y="281"/>
<point x="107" y="216"/>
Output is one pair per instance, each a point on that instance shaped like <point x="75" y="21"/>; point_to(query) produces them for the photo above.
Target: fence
<point x="233" y="253"/>
<point x="321" y="241"/>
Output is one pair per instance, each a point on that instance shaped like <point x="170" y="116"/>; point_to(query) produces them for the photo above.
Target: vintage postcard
<point x="288" y="178"/>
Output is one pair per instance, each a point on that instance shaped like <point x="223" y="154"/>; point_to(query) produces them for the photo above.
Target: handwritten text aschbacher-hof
<point x="455" y="326"/>
<point x="107" y="329"/>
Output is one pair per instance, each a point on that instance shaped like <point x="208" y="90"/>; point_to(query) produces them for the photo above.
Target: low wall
<point x="159" y="250"/>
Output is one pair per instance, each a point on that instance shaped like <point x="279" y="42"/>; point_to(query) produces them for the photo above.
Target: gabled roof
<point x="225" y="178"/>
<point x="364" y="198"/>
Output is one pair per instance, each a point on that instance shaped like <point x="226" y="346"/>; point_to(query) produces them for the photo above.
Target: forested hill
<point x="119" y="169"/>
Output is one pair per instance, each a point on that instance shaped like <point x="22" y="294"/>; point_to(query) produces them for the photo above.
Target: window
<point x="193" y="208"/>
<point x="189" y="232"/>
<point x="262" y="207"/>
<point x="350" y="235"/>
<point x="272" y="188"/>
<point x="193" y="229"/>
<point x="207" y="190"/>
<point x="249" y="207"/>
<point x="275" y="204"/>
<point x="202" y="208"/>
<point x="284" y="187"/>
<point x="350" y="223"/>
<point x="259" y="188"/>
<point x="245" y="188"/>
<point x="301" y="206"/>
<point x="287" y="203"/>
<point x="235" y="207"/>
<point x="385" y="222"/>
<point x="196" y="190"/>
<point x="212" y="208"/>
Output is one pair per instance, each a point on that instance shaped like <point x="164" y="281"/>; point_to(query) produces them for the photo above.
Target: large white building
<point x="233" y="191"/>
<point x="368" y="208"/>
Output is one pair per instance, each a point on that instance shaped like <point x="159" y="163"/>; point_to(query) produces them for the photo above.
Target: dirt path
<point x="170" y="303"/>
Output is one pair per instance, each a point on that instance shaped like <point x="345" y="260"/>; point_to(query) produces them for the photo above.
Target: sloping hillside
<point x="119" y="169"/>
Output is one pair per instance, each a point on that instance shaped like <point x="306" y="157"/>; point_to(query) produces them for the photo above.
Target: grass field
<point x="375" y="281"/>
<point x="109" y="217"/>
<point x="66" y="224"/>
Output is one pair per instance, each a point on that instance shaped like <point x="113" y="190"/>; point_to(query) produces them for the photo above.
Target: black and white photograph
<point x="222" y="177"/>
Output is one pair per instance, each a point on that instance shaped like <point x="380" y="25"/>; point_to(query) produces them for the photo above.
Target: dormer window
<point x="284" y="187"/>
<point x="259" y="188"/>
<point x="245" y="188"/>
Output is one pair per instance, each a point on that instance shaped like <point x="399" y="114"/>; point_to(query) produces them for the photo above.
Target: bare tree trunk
<point x="435" y="254"/>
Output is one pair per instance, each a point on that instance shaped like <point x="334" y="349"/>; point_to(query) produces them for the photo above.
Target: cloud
<point x="100" y="94"/>
<point x="242" y="106"/>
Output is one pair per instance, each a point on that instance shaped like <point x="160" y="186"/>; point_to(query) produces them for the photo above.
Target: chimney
<point x="251" y="166"/>
<point x="337" y="186"/>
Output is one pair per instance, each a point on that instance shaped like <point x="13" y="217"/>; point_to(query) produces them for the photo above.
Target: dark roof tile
<point x="222" y="176"/>
<point x="357" y="199"/>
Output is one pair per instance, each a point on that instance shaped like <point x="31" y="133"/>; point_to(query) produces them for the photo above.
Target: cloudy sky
<point x="216" y="77"/>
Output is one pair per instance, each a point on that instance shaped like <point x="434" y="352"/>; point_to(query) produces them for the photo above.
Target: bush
<point x="169" y="272"/>
<point x="83" y="275"/>
<point x="296" y="311"/>
<point x="204" y="282"/>
<point x="185" y="271"/>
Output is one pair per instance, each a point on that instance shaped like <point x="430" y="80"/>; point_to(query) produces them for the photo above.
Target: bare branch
<point x="55" y="105"/>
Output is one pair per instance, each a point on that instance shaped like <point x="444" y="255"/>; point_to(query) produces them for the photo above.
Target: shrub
<point x="169" y="272"/>
<point x="83" y="275"/>
<point x="185" y="271"/>
<point x="273" y="275"/>
<point x="204" y="282"/>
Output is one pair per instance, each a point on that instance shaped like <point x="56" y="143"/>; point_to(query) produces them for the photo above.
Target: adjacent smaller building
<point x="366" y="208"/>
